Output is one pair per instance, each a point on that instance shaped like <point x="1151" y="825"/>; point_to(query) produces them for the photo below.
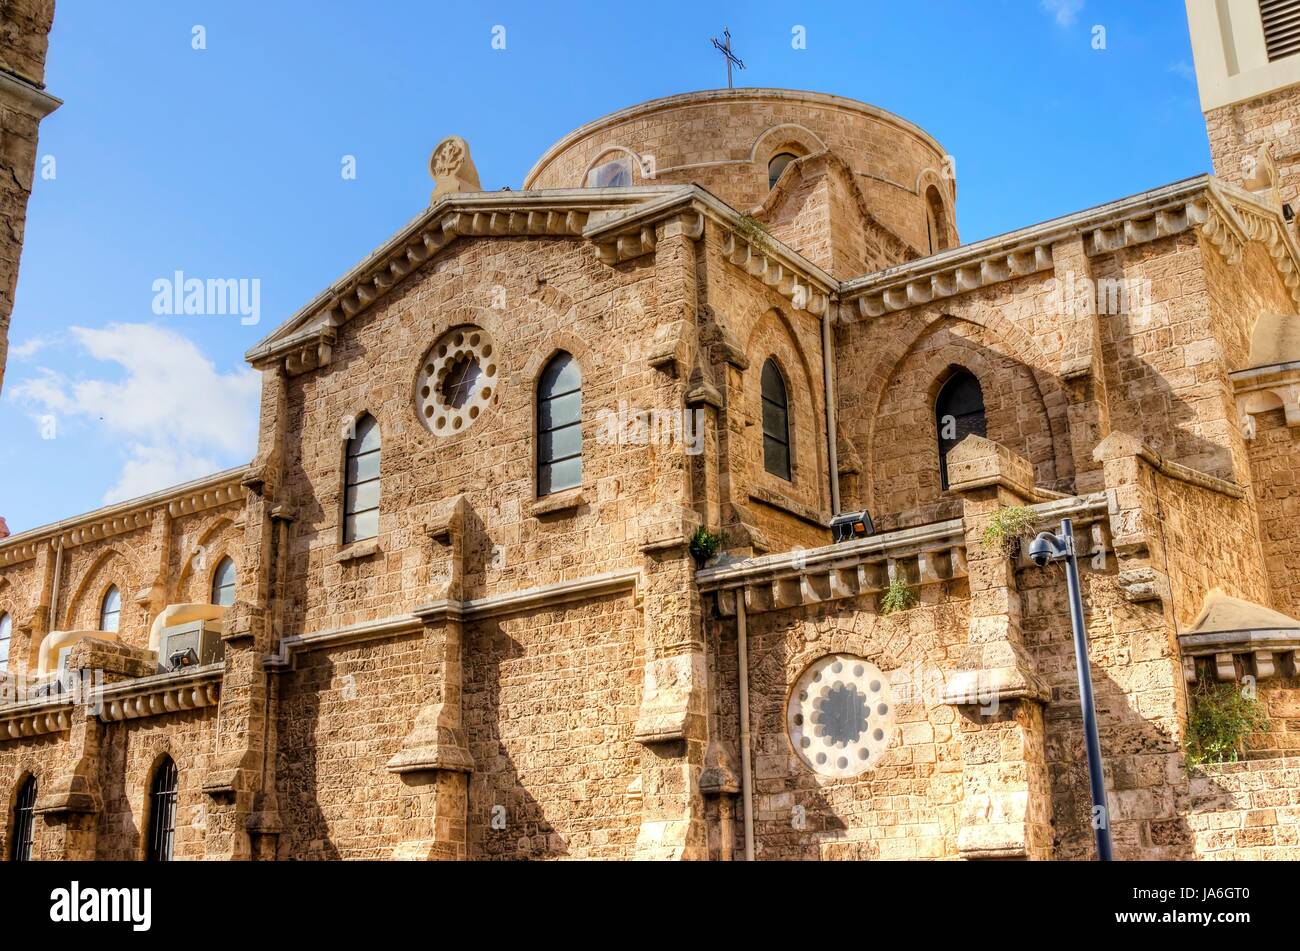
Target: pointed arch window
<point x="223" y="583"/>
<point x="361" y="488"/>
<point x="777" y="165"/>
<point x="776" y="422"/>
<point x="162" y="811"/>
<point x="559" y="425"/>
<point x="20" y="849"/>
<point x="6" y="636"/>
<point x="110" y="609"/>
<point x="958" y="413"/>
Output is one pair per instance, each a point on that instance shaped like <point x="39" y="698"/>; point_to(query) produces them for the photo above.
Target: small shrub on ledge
<point x="1221" y="716"/>
<point x="1007" y="527"/>
<point x="704" y="546"/>
<point x="897" y="597"/>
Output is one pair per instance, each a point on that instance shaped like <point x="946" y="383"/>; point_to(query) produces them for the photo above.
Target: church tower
<point x="1248" y="69"/>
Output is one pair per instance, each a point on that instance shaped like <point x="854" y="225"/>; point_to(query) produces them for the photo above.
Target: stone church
<point x="459" y="605"/>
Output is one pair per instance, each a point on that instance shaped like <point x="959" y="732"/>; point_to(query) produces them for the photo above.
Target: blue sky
<point x="226" y="162"/>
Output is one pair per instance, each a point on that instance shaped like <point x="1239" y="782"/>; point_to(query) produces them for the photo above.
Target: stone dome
<point x="725" y="140"/>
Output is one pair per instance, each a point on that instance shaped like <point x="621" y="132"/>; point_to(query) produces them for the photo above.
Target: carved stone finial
<point x="452" y="168"/>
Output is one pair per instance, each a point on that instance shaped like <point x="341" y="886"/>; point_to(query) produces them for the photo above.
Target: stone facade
<point x="502" y="672"/>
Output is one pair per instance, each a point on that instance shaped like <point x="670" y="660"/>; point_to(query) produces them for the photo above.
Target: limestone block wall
<point x="553" y="295"/>
<point x="550" y="699"/>
<point x="908" y="806"/>
<point x="723" y="140"/>
<point x="1246" y="811"/>
<point x="24" y="38"/>
<point x="1275" y="467"/>
<point x="889" y="370"/>
<point x="1238" y="131"/>
<point x="129" y="758"/>
<point x="745" y="315"/>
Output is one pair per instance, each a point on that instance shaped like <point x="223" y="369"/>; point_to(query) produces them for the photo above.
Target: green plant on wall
<point x="1221" y="717"/>
<point x="1007" y="527"/>
<point x="897" y="597"/>
<point x="704" y="545"/>
<point x="755" y="232"/>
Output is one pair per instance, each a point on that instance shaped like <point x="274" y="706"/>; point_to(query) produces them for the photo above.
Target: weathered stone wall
<point x="1237" y="131"/>
<point x="1246" y="811"/>
<point x="556" y="297"/>
<point x="904" y="808"/>
<point x="1275" y="467"/>
<point x="549" y="703"/>
<point x="130" y="756"/>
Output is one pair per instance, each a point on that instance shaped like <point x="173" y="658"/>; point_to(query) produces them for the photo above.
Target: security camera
<point x="1043" y="549"/>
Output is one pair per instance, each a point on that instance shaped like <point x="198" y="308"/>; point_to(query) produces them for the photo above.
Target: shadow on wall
<point x="505" y="821"/>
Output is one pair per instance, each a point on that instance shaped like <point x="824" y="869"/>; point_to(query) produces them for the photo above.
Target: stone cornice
<point x="34" y="100"/>
<point x="200" y="495"/>
<point x="619" y="221"/>
<point x="191" y="689"/>
<point x="440" y="612"/>
<point x="552" y="213"/>
<point x="1226" y="215"/>
<point x="927" y="554"/>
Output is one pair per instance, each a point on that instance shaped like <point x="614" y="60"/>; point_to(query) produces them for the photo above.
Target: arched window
<point x="6" y="634"/>
<point x="162" y="811"/>
<point x="776" y="422"/>
<point x="936" y="220"/>
<point x="361" y="482"/>
<point x="958" y="413"/>
<point x="559" y="425"/>
<point x="110" y="609"/>
<point x="777" y="166"/>
<point x="223" y="583"/>
<point x="20" y="845"/>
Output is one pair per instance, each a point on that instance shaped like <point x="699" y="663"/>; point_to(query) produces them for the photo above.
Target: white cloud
<point x="177" y="416"/>
<point x="30" y="347"/>
<point x="1065" y="11"/>
<point x="1184" y="69"/>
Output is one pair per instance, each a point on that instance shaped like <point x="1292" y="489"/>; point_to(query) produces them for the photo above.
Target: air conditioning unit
<point x="193" y="644"/>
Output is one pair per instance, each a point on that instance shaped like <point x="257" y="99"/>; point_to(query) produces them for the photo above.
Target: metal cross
<point x="732" y="58"/>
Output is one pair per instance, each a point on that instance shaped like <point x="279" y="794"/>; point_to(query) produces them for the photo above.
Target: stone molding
<point x="219" y="489"/>
<point x="191" y="689"/>
<point x="474" y="609"/>
<point x="1226" y="215"/>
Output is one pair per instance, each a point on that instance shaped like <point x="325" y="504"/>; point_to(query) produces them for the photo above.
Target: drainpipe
<point x="746" y="787"/>
<point x="828" y="386"/>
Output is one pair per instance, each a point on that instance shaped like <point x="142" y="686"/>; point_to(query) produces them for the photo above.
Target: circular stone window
<point x="841" y="715"/>
<point x="457" y="381"/>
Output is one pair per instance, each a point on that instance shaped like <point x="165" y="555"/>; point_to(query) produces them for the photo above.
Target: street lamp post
<point x="1046" y="548"/>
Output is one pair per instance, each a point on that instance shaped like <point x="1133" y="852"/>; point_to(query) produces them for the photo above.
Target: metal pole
<point x="1100" y="813"/>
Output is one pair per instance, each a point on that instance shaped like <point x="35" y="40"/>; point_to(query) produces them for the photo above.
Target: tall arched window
<point x="361" y="488"/>
<point x="776" y="422"/>
<point x="559" y="425"/>
<point x="20" y="844"/>
<point x="936" y="220"/>
<point x="6" y="634"/>
<point x="958" y="413"/>
<point x="223" y="583"/>
<point x="162" y="811"/>
<point x="110" y="609"/>
<point x="777" y="166"/>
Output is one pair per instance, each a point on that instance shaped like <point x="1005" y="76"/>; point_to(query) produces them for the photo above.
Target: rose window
<point x="457" y="381"/>
<point x="841" y="715"/>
